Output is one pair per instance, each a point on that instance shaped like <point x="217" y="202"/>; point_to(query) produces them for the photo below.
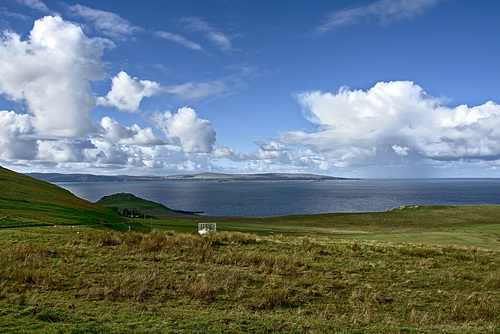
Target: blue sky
<point x="382" y="89"/>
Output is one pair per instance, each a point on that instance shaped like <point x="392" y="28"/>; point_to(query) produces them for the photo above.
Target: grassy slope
<point x="25" y="201"/>
<point x="130" y="202"/>
<point x="82" y="280"/>
<point x="78" y="279"/>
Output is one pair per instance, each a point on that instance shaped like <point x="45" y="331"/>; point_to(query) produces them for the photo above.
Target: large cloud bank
<point x="395" y="119"/>
<point x="48" y="76"/>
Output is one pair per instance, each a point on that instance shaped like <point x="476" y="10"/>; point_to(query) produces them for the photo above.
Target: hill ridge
<point x="205" y="176"/>
<point x="26" y="201"/>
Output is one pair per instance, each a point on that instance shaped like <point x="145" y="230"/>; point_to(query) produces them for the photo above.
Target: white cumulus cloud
<point x="194" y="134"/>
<point x="16" y="140"/>
<point x="50" y="73"/>
<point x="357" y="126"/>
<point x="133" y="135"/>
<point x="65" y="150"/>
<point x="225" y="152"/>
<point x="272" y="155"/>
<point x="400" y="150"/>
<point x="127" y="93"/>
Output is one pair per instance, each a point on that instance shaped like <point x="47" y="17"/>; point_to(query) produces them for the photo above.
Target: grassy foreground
<point x="414" y="270"/>
<point x="81" y="280"/>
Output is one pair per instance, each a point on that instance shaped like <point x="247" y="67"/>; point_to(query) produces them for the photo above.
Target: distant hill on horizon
<point x="251" y="177"/>
<point x="58" y="177"/>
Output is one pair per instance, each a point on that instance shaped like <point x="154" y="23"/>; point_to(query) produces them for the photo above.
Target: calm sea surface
<point x="261" y="199"/>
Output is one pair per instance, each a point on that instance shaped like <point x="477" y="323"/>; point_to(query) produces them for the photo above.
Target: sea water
<point x="273" y="198"/>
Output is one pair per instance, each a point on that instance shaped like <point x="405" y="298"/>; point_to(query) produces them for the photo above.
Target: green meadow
<point x="477" y="226"/>
<point x="76" y="268"/>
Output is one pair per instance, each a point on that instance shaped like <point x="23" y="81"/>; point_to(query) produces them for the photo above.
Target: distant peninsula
<point x="220" y="177"/>
<point x="251" y="177"/>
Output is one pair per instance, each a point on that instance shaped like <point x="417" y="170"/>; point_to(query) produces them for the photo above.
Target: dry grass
<point x="234" y="282"/>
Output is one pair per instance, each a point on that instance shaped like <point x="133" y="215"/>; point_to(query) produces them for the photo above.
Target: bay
<point x="263" y="199"/>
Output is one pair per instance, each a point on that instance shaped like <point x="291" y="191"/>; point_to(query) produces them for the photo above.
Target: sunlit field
<point x="89" y="270"/>
<point x="79" y="279"/>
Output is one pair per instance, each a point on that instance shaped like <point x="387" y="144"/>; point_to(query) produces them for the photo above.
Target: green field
<point x="463" y="225"/>
<point x="416" y="270"/>
<point x="477" y="226"/>
<point x="82" y="280"/>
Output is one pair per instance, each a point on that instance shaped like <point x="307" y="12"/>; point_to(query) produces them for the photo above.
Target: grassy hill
<point x="25" y="201"/>
<point x="125" y="201"/>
